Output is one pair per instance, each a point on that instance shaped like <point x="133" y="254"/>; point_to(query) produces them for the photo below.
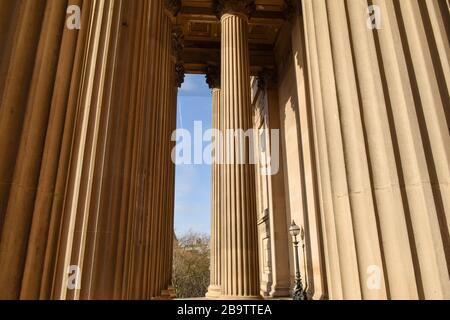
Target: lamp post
<point x="299" y="292"/>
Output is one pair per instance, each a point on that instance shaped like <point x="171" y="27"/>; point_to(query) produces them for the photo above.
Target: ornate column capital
<point x="177" y="52"/>
<point x="243" y="7"/>
<point x="172" y="7"/>
<point x="291" y="9"/>
<point x="213" y="77"/>
<point x="267" y="78"/>
<point x="179" y="74"/>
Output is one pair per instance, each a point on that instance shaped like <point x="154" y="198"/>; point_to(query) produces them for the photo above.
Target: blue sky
<point x="193" y="182"/>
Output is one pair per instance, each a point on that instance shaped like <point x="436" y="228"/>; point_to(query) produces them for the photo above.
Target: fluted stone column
<point x="275" y="186"/>
<point x="178" y="74"/>
<point x="381" y="126"/>
<point x="240" y="278"/>
<point x="214" y="290"/>
<point x="86" y="180"/>
<point x="80" y="208"/>
<point x="310" y="217"/>
<point x="28" y="106"/>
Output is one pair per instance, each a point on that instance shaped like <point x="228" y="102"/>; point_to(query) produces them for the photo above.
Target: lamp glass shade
<point x="294" y="229"/>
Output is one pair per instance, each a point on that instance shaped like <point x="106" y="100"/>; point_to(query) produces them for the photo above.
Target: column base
<point x="280" y="292"/>
<point x="168" y="294"/>
<point x="214" y="292"/>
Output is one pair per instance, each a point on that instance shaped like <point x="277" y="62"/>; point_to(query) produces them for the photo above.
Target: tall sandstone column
<point x="86" y="182"/>
<point x="379" y="98"/>
<point x="240" y="278"/>
<point x="214" y="290"/>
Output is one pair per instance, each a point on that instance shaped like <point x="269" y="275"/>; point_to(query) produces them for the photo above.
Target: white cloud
<point x="189" y="86"/>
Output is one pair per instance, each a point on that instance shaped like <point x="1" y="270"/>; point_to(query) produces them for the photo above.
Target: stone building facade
<point x="358" y="91"/>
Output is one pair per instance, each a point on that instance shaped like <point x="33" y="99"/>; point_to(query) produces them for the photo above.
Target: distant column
<point x="214" y="290"/>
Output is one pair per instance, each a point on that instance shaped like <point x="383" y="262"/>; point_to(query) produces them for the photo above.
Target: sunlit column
<point x="240" y="276"/>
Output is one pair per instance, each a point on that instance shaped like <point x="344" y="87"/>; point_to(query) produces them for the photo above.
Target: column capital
<point x="267" y="78"/>
<point x="292" y="8"/>
<point x="177" y="51"/>
<point x="172" y="7"/>
<point x="243" y="7"/>
<point x="179" y="74"/>
<point x="213" y="77"/>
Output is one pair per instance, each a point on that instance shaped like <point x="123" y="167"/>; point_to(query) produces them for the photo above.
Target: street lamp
<point x="299" y="292"/>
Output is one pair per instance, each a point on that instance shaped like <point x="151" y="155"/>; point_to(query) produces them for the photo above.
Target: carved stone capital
<point x="172" y="7"/>
<point x="267" y="78"/>
<point x="213" y="77"/>
<point x="179" y="74"/>
<point x="177" y="43"/>
<point x="291" y="9"/>
<point x="243" y="7"/>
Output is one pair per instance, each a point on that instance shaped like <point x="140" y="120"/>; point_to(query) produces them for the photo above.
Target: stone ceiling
<point x="201" y="30"/>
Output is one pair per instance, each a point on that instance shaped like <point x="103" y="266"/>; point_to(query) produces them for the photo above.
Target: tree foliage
<point x="191" y="264"/>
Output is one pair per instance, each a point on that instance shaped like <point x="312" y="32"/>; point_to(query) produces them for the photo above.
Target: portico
<point x="361" y="112"/>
